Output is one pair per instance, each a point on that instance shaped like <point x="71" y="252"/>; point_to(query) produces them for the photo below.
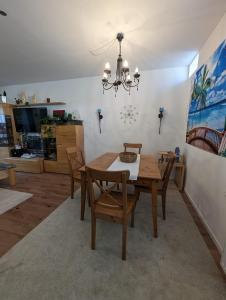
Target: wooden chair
<point x="111" y="205"/>
<point x="162" y="187"/>
<point x="76" y="160"/>
<point x="135" y="146"/>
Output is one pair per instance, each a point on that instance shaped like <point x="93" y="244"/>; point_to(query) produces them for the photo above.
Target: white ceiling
<point x="42" y="40"/>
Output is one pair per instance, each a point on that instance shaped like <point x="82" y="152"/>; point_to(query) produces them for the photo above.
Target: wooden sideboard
<point x="7" y="110"/>
<point x="66" y="136"/>
<point x="31" y="165"/>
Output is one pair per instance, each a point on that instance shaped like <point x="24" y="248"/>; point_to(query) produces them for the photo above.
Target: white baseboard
<point x="215" y="240"/>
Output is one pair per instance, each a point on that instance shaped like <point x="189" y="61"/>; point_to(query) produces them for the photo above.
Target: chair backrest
<point x="135" y="146"/>
<point x="115" y="177"/>
<point x="167" y="172"/>
<point x="75" y="158"/>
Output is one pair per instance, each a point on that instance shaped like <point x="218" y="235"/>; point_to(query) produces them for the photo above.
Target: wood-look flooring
<point x="49" y="191"/>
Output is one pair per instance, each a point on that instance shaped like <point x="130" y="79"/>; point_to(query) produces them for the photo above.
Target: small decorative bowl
<point x="128" y="157"/>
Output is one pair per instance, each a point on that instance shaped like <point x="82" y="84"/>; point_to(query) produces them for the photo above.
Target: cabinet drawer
<point x="68" y="141"/>
<point x="66" y="130"/>
<point x="27" y="165"/>
<point x="61" y="153"/>
<point x="66" y="135"/>
<point x="56" y="167"/>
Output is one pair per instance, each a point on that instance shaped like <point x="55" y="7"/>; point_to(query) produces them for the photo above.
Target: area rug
<point x="10" y="199"/>
<point x="55" y="261"/>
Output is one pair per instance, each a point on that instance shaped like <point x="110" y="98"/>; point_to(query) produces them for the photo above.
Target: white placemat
<point x="133" y="168"/>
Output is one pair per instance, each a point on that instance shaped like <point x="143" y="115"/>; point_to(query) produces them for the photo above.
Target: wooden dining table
<point x="149" y="175"/>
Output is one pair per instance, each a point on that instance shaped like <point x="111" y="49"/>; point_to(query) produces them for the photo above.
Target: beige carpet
<point x="55" y="262"/>
<point x="10" y="199"/>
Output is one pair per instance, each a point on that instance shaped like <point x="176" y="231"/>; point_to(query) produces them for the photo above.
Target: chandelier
<point x="122" y="73"/>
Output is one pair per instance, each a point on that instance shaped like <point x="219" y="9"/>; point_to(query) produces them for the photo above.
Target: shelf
<point x="39" y="104"/>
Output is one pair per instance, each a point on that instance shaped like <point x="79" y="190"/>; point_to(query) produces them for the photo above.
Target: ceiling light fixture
<point x="3" y="13"/>
<point x="122" y="73"/>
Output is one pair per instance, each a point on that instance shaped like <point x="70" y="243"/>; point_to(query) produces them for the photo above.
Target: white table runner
<point x="133" y="168"/>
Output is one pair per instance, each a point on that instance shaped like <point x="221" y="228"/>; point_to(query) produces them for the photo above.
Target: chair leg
<point x="88" y="197"/>
<point x="164" y="206"/>
<point x="101" y="184"/>
<point x="124" y="239"/>
<point x="137" y="194"/>
<point x="83" y="195"/>
<point x="93" y="233"/>
<point x="72" y="187"/>
<point x="132" y="216"/>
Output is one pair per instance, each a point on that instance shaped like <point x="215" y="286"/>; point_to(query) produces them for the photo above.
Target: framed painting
<point x="206" y="127"/>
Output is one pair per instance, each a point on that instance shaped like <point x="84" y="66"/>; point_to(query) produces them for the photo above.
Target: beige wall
<point x="165" y="87"/>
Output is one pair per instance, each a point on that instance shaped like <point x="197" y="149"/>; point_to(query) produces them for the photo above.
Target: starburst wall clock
<point x="129" y="114"/>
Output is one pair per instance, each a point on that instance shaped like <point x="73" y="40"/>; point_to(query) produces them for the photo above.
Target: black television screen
<point x="29" y="119"/>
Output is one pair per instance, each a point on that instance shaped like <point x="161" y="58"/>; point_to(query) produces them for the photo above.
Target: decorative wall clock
<point x="129" y="114"/>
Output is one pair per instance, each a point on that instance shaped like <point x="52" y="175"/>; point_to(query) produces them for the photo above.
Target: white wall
<point x="206" y="172"/>
<point x="166" y="87"/>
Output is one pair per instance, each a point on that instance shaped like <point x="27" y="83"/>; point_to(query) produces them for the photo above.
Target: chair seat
<point x="105" y="205"/>
<point x="77" y="175"/>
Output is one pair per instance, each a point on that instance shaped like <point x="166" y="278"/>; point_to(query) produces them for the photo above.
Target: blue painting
<point x="206" y="128"/>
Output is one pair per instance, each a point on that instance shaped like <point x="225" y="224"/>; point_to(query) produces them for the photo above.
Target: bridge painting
<point x="206" y="127"/>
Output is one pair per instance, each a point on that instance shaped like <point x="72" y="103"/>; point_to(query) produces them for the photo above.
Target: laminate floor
<point x="49" y="191"/>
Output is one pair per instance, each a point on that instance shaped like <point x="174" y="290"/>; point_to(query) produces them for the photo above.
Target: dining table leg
<point x="12" y="176"/>
<point x="154" y="207"/>
<point x="83" y="194"/>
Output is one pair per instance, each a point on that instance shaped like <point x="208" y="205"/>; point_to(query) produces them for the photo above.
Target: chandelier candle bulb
<point x="128" y="79"/>
<point x="105" y="77"/>
<point x="136" y="74"/>
<point x="107" y="68"/>
<point x="125" y="64"/>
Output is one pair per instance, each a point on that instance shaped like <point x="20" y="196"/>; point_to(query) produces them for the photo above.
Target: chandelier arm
<point x="134" y="85"/>
<point x="125" y="86"/>
<point x="105" y="88"/>
<point x="124" y="77"/>
<point x="112" y="83"/>
<point x="137" y="81"/>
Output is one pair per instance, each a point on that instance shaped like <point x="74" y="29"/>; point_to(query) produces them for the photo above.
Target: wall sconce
<point x="160" y="115"/>
<point x="100" y="117"/>
<point x="177" y="153"/>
